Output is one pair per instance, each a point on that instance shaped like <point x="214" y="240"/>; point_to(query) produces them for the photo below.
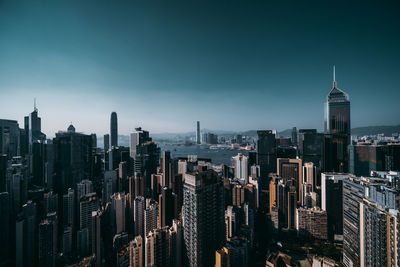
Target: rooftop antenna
<point x="334" y="77"/>
<point x="334" y="74"/>
<point x="34" y="104"/>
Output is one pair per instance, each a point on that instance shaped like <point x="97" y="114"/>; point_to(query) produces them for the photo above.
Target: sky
<point x="163" y="65"/>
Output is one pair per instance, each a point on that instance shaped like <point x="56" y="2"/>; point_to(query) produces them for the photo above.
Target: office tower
<point x="310" y="175"/>
<point x="292" y="205"/>
<point x="312" y="222"/>
<point x="83" y="188"/>
<point x="241" y="165"/>
<point x="177" y="189"/>
<point x="273" y="192"/>
<point x="392" y="157"/>
<point x="96" y="236"/>
<point x="294" y="136"/>
<point x="167" y="169"/>
<point x="337" y="128"/>
<point x="231" y="222"/>
<point x="50" y="203"/>
<point x="291" y="169"/>
<point x="311" y="147"/>
<point x="106" y="142"/>
<point x="17" y="182"/>
<point x="9" y="138"/>
<point x="49" y="164"/>
<point x="5" y="216"/>
<point x="139" y="206"/>
<point x="147" y="157"/>
<point x="365" y="157"/>
<point x="122" y="184"/>
<point x="337" y="118"/>
<point x="69" y="208"/>
<point x="35" y="128"/>
<point x="73" y="159"/>
<point x="198" y="138"/>
<point x="210" y="138"/>
<point x="110" y="185"/>
<point x="87" y="205"/>
<point x="116" y="155"/>
<point x="38" y="161"/>
<point x="203" y="217"/>
<point x="66" y="245"/>
<point x="332" y="202"/>
<point x="266" y="152"/>
<point x="3" y="172"/>
<point x="167" y="212"/>
<point x="47" y="243"/>
<point x="137" y="138"/>
<point x="136" y="252"/>
<point x="285" y="192"/>
<point x="83" y="242"/>
<point x="150" y="216"/>
<point x="118" y="204"/>
<point x="25" y="235"/>
<point x="140" y="184"/>
<point x="353" y="193"/>
<point x="114" y="129"/>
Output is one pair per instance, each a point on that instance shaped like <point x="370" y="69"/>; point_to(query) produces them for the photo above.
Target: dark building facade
<point x="114" y="129"/>
<point x="266" y="152"/>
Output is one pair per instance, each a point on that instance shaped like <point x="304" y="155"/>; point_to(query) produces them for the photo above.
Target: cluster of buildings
<point x="65" y="201"/>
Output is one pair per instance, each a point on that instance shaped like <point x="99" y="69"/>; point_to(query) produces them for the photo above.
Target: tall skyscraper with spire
<point x="114" y="129"/>
<point x="337" y="120"/>
<point x="34" y="127"/>
<point x="337" y="129"/>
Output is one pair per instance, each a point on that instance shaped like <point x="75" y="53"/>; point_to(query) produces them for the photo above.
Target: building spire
<point x="334" y="77"/>
<point x="34" y="104"/>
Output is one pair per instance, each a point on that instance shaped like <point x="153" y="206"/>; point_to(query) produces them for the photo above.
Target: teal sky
<point x="163" y="65"/>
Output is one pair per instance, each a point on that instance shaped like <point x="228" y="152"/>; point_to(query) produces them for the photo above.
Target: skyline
<point x="233" y="66"/>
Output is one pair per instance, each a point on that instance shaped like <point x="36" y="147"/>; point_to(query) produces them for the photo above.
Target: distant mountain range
<point x="359" y="131"/>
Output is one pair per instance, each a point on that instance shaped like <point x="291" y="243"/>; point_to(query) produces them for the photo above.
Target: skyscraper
<point x="106" y="143"/>
<point x="266" y="152"/>
<point x="47" y="243"/>
<point x="241" y="167"/>
<point x="114" y="129"/>
<point x="9" y="138"/>
<point x="167" y="166"/>
<point x="167" y="201"/>
<point x="337" y="127"/>
<point x="35" y="128"/>
<point x="203" y="217"/>
<point x="139" y="206"/>
<point x="294" y="136"/>
<point x="332" y="202"/>
<point x="73" y="159"/>
<point x="198" y="137"/>
<point x="291" y="169"/>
